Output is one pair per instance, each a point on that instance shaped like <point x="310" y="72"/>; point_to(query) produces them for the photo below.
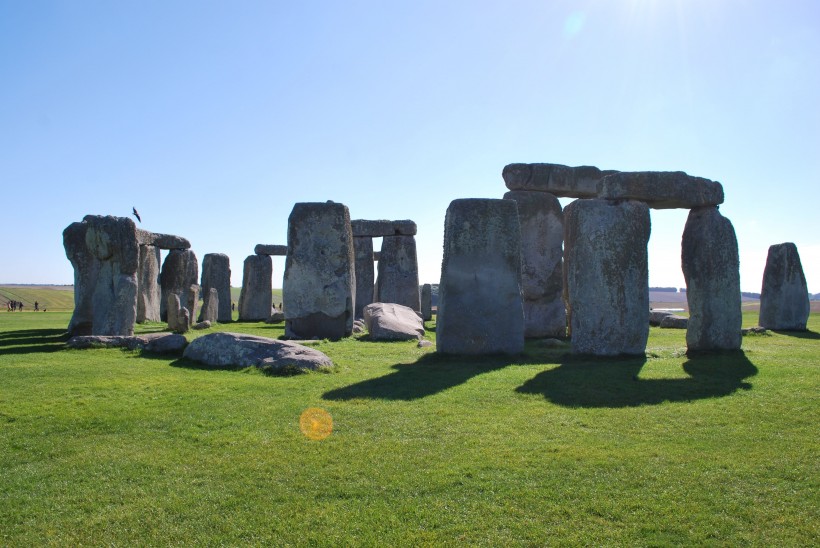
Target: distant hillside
<point x="49" y="297"/>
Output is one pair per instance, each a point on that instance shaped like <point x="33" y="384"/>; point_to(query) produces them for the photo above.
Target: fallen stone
<point x="425" y="344"/>
<point x="241" y="350"/>
<point x="551" y="343"/>
<point x="270" y="249"/>
<point x="392" y="322"/>
<point x="276" y="317"/>
<point x="784" y="298"/>
<point x="381" y="228"/>
<point x="673" y="321"/>
<point x="205" y="324"/>
<point x="661" y="189"/>
<point x="559" y="180"/>
<point x="756" y="330"/>
<point x="657" y="316"/>
<point x="160" y="343"/>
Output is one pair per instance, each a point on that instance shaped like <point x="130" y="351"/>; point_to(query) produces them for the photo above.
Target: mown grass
<point x="116" y="447"/>
<point x="53" y="299"/>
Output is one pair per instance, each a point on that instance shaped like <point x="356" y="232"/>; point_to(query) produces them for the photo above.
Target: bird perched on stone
<point x="136" y="214"/>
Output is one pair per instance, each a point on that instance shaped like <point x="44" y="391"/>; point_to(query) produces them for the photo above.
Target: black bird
<point x="136" y="214"/>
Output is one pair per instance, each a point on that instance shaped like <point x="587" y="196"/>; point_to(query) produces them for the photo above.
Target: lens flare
<point x="315" y="423"/>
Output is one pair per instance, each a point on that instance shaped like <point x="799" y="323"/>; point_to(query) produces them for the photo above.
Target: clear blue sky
<point x="214" y="118"/>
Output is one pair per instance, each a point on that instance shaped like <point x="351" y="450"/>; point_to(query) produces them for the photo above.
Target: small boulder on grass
<point x="241" y="350"/>
<point x="392" y="322"/>
<point x="673" y="321"/>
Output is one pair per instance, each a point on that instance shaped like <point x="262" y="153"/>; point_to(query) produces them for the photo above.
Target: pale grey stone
<point x="711" y="268"/>
<point x="392" y="322"/>
<point x="381" y="228"/>
<point x="86" y="270"/>
<point x="607" y="278"/>
<point x="363" y="253"/>
<point x="426" y="302"/>
<point x="784" y="298"/>
<point x="320" y="279"/>
<point x="205" y="324"/>
<point x="241" y="350"/>
<point x="183" y="320"/>
<point x="161" y="343"/>
<point x="192" y="297"/>
<point x="398" y="272"/>
<point x="661" y="189"/>
<point x="210" y="305"/>
<point x="276" y="317"/>
<point x="173" y="309"/>
<point x="256" y="296"/>
<point x="148" y="289"/>
<point x="542" y="280"/>
<point x="657" y="316"/>
<point x="180" y="271"/>
<point x="480" y="308"/>
<point x="559" y="180"/>
<point x="270" y="249"/>
<point x="425" y="344"/>
<point x="216" y="274"/>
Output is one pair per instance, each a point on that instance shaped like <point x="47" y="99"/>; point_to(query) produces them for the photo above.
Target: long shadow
<point x="431" y="374"/>
<point x="585" y="382"/>
<point x="32" y="341"/>
<point x="811" y="335"/>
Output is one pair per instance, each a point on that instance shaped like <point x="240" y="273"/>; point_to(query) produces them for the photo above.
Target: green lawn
<point x="118" y="448"/>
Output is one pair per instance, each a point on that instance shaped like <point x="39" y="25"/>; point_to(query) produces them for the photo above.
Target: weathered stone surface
<point x="216" y="274"/>
<point x="426" y="299"/>
<point x="542" y="279"/>
<point x="162" y="241"/>
<point x="180" y="270"/>
<point x="173" y="313"/>
<point x="480" y="308"/>
<point x="559" y="180"/>
<point x="657" y="316"/>
<point x="113" y="242"/>
<point x="380" y="228"/>
<point x="320" y="279"/>
<point x="673" y="321"/>
<point x="398" y="272"/>
<point x="148" y="290"/>
<point x="183" y="320"/>
<point x="160" y="343"/>
<point x="256" y="296"/>
<point x="363" y="256"/>
<point x="240" y="350"/>
<point x="424" y="344"/>
<point x="784" y="299"/>
<point x="607" y="278"/>
<point x="270" y="249"/>
<point x="192" y="297"/>
<point x="86" y="270"/>
<point x="205" y="324"/>
<point x="711" y="268"/>
<point x="392" y="322"/>
<point x="276" y="317"/>
<point x="661" y="189"/>
<point x="210" y="305"/>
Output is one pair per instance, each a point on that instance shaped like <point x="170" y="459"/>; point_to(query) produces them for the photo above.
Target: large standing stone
<point x="148" y="294"/>
<point x="363" y="249"/>
<point x="661" y="189"/>
<point x="711" y="268"/>
<point x="86" y="270"/>
<point x="784" y="299"/>
<point x="607" y="278"/>
<point x="216" y="274"/>
<point x="480" y="308"/>
<point x="426" y="302"/>
<point x="256" y="296"/>
<point x="320" y="279"/>
<point x="180" y="271"/>
<point x="542" y="279"/>
<point x="398" y="279"/>
<point x="113" y="242"/>
<point x="210" y="306"/>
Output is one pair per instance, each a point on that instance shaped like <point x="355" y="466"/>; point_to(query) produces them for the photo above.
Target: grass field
<point x="117" y="447"/>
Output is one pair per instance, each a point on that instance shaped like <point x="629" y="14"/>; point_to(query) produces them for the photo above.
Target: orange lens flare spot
<point x="315" y="423"/>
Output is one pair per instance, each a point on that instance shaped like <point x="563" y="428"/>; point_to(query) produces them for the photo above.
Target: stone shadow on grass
<point x="583" y="381"/>
<point x="430" y="374"/>
<point x="32" y="341"/>
<point x="810" y="335"/>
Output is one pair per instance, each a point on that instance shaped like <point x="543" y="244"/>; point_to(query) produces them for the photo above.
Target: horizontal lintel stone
<point x="560" y="180"/>
<point x="662" y="189"/>
<point x="162" y="241"/>
<point x="381" y="228"/>
<point x="270" y="249"/>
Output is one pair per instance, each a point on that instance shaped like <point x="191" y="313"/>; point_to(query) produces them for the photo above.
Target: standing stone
<point x="542" y="279"/>
<point x="180" y="270"/>
<point x="480" y="308"/>
<point x="426" y="302"/>
<point x="711" y="268"/>
<point x="363" y="249"/>
<point x="210" y="306"/>
<point x="113" y="242"/>
<point x="216" y="274"/>
<point x="192" y="297"/>
<point x="173" y="307"/>
<point x="86" y="270"/>
<point x="320" y="278"/>
<point x="148" y="293"/>
<point x="398" y="280"/>
<point x="607" y="278"/>
<point x="784" y="299"/>
<point x="256" y="297"/>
